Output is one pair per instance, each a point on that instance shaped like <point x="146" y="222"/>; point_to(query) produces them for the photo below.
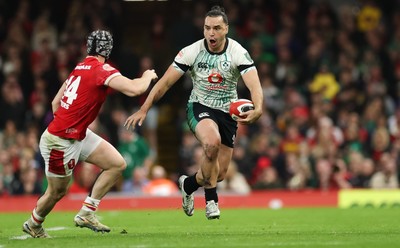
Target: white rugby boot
<point x="88" y="219"/>
<point x="187" y="200"/>
<point x="212" y="210"/>
<point x="34" y="231"/>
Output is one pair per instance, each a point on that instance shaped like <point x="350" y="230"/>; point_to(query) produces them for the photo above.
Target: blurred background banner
<point x="369" y="198"/>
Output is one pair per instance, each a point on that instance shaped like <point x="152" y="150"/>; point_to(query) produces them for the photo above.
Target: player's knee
<point x="121" y="166"/>
<point x="58" y="194"/>
<point x="211" y="149"/>
<point x="118" y="164"/>
<point x="211" y="152"/>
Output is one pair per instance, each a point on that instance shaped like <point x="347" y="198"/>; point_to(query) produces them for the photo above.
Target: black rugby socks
<point x="190" y="184"/>
<point x="211" y="195"/>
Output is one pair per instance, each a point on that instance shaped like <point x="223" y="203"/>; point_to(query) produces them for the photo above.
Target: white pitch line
<point x="57" y="228"/>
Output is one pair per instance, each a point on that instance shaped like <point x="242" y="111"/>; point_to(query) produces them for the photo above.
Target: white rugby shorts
<point x="61" y="155"/>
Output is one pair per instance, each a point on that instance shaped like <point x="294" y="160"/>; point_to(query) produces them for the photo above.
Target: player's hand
<point x="135" y="118"/>
<point x="150" y="74"/>
<point x="249" y="117"/>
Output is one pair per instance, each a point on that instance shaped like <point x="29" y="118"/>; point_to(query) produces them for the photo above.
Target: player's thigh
<point x="207" y="132"/>
<point x="97" y="151"/>
<point x="203" y="123"/>
<point x="106" y="156"/>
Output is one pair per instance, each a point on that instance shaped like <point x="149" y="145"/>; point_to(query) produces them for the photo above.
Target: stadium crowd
<point x="330" y="75"/>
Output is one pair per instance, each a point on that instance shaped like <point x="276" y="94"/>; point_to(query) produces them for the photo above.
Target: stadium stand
<point x="330" y="74"/>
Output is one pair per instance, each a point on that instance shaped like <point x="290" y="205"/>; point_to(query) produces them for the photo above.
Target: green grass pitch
<point x="291" y="227"/>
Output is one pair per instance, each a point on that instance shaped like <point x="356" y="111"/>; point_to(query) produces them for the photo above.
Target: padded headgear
<point x="100" y="42"/>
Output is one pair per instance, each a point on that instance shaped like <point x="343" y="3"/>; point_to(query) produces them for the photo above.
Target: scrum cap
<point x="100" y="42"/>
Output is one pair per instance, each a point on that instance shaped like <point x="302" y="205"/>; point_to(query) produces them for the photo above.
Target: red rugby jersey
<point x="83" y="97"/>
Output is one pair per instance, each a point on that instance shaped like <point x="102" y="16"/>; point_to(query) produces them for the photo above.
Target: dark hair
<point x="218" y="11"/>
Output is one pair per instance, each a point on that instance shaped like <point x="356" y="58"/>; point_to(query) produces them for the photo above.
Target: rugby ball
<point x="239" y="106"/>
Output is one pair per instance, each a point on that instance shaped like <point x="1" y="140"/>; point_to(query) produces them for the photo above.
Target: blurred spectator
<point x="394" y="124"/>
<point x="234" y="181"/>
<point x="292" y="140"/>
<point x="349" y="97"/>
<point x="286" y="67"/>
<point x="12" y="103"/>
<point x="150" y="124"/>
<point x="300" y="117"/>
<point x="43" y="30"/>
<point x="372" y="112"/>
<point x="6" y="171"/>
<point x="8" y="135"/>
<point x="260" y="159"/>
<point x="380" y="140"/>
<point x="369" y="16"/>
<point x="386" y="176"/>
<point x="139" y="180"/>
<point x="364" y="174"/>
<point x="324" y="170"/>
<point x="268" y="179"/>
<point x="356" y="174"/>
<point x="341" y="175"/>
<point x="160" y="184"/>
<point x="355" y="136"/>
<point x="197" y="157"/>
<point x="298" y="172"/>
<point x="136" y="152"/>
<point x="272" y="96"/>
<point x="324" y="83"/>
<point x="188" y="152"/>
<point x="27" y="182"/>
<point x="325" y="138"/>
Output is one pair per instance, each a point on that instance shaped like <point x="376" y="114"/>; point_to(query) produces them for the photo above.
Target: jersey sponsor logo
<point x="225" y="65"/>
<point x="217" y="87"/>
<point x="71" y="130"/>
<point x="108" y="67"/>
<point x="202" y="65"/>
<point x="204" y="114"/>
<point x="83" y="67"/>
<point x="215" y="78"/>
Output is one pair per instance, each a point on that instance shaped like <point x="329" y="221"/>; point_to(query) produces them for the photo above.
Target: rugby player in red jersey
<point x="68" y="139"/>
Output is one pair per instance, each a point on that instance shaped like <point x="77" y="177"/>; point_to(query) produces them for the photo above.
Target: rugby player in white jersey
<point x="215" y="64"/>
<point x="67" y="139"/>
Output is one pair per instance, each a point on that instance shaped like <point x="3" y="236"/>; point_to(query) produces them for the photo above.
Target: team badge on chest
<point x="225" y="65"/>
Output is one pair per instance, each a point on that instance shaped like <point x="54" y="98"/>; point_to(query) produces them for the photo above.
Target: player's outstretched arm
<point x="133" y="87"/>
<point x="160" y="88"/>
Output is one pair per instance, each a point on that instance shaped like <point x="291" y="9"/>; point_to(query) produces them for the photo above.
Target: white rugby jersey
<point x="214" y="75"/>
